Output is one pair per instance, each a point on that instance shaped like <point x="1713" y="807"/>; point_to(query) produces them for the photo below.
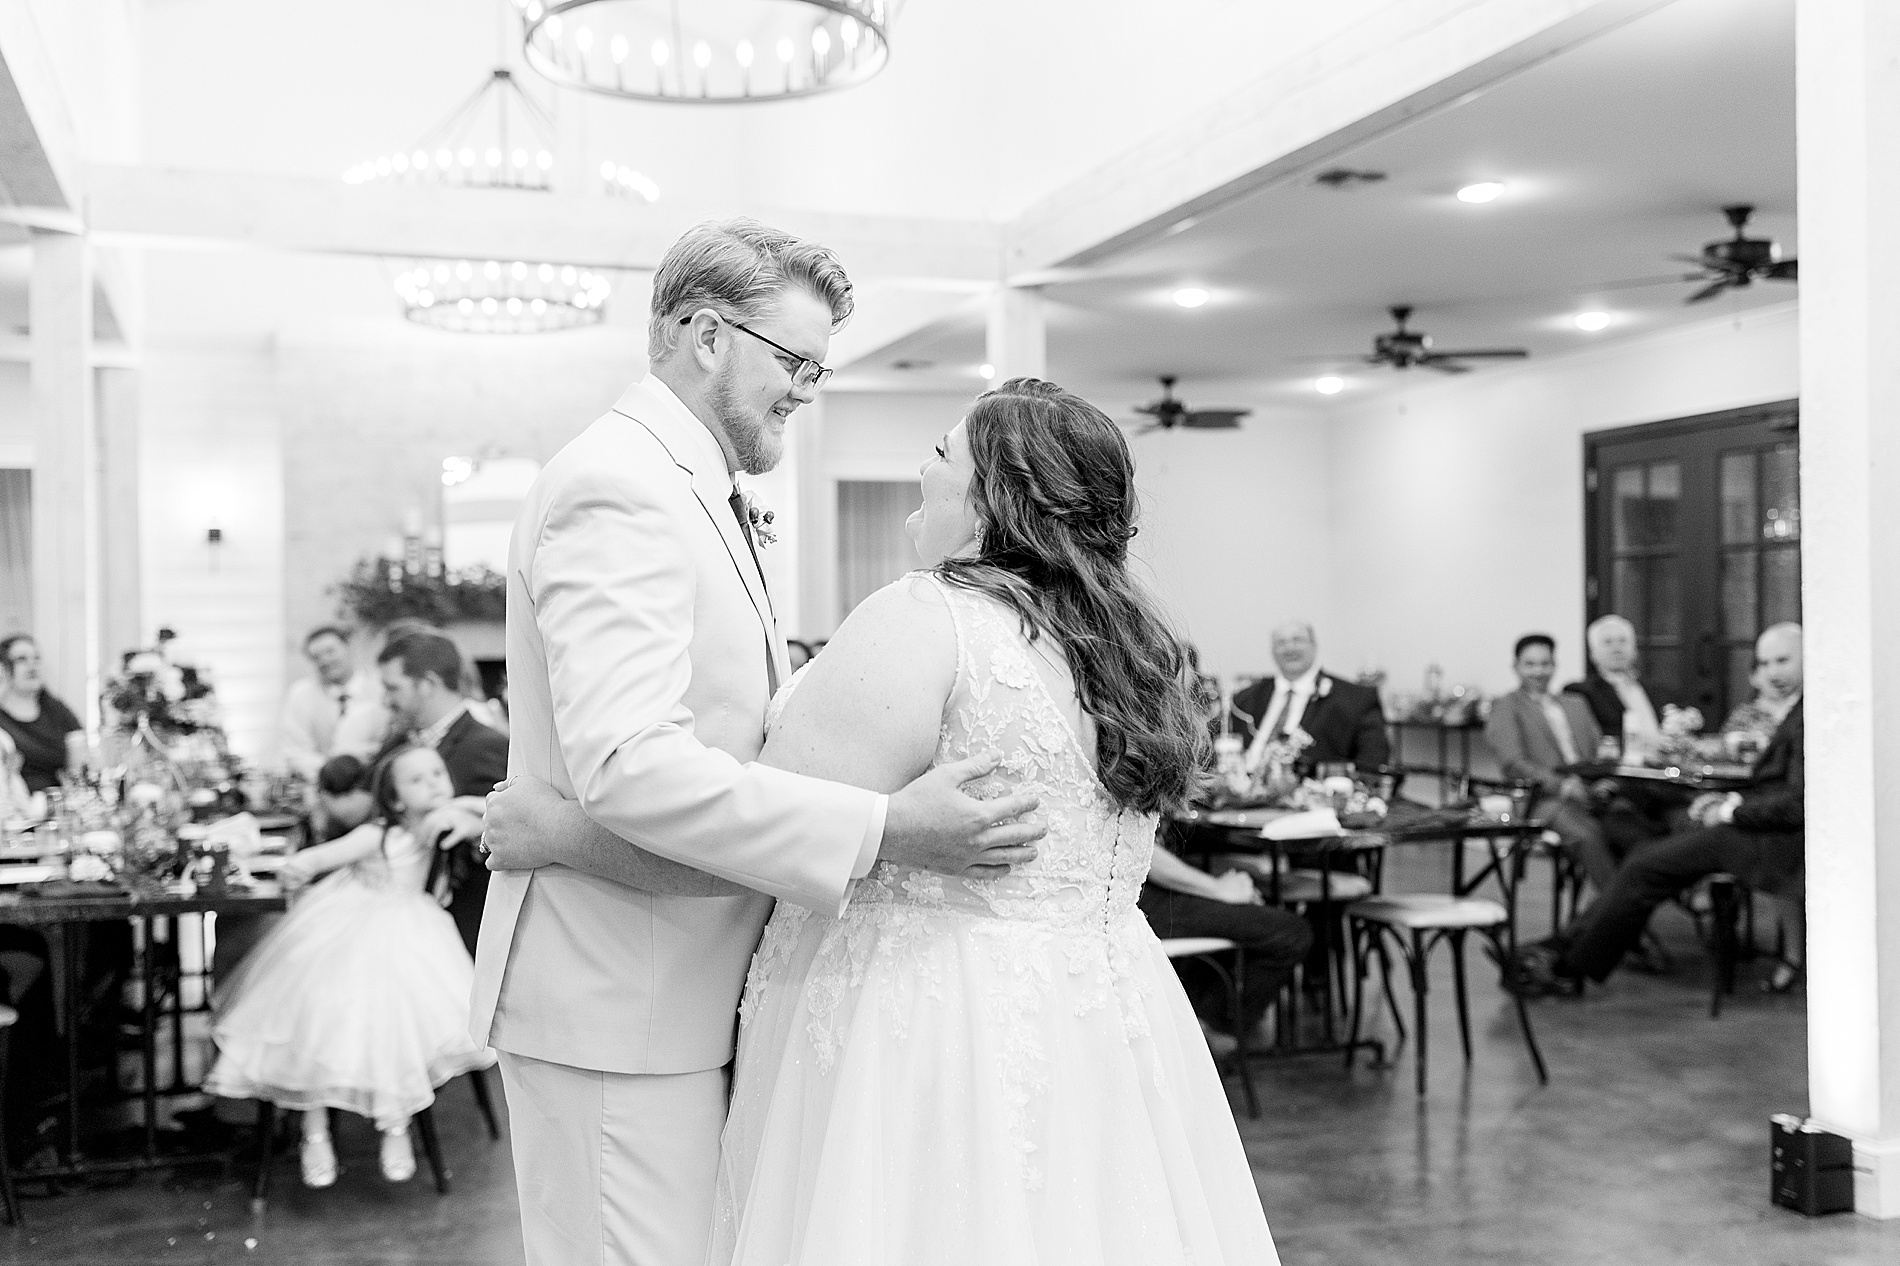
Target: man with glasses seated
<point x="1757" y="834"/>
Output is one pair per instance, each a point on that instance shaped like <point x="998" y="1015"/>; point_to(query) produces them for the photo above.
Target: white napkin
<point x="239" y="832"/>
<point x="1295" y="826"/>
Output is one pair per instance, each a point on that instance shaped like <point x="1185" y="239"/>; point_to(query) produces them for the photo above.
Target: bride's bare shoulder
<point x="868" y="707"/>
<point x="910" y="612"/>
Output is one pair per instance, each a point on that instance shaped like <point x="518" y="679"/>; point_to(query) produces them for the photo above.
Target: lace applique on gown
<point x="1006" y="1071"/>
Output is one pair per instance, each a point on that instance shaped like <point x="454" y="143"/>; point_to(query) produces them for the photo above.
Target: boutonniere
<point x="761" y="521"/>
<point x="1325" y="686"/>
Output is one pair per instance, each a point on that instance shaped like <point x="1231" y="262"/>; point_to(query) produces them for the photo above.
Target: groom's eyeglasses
<point x="806" y="373"/>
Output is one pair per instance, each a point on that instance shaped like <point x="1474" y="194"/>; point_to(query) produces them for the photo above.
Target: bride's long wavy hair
<point x="1054" y="493"/>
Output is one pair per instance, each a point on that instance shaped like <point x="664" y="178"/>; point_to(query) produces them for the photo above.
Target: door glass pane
<point x="1738" y="498"/>
<point x="1741" y="662"/>
<point x="1663" y="668"/>
<point x="1738" y="593"/>
<point x="1780" y="494"/>
<point x="1665" y="494"/>
<point x="1665" y="600"/>
<point x="1626" y="595"/>
<point x="1627" y="510"/>
<point x="1780" y="585"/>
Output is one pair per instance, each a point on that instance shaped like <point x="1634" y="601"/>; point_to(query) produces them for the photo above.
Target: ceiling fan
<point x="1405" y="348"/>
<point x="1169" y="412"/>
<point x="1735" y="262"/>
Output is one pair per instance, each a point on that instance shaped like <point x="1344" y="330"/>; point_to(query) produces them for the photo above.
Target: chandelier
<point x="498" y="138"/>
<point x="711" y="51"/>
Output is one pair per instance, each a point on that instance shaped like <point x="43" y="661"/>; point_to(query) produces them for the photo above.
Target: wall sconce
<point x="214" y="540"/>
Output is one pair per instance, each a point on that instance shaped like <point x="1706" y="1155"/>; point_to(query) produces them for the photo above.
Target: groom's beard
<point x="757" y="447"/>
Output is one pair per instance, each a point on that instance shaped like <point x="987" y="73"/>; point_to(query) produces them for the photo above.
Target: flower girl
<point x="359" y="998"/>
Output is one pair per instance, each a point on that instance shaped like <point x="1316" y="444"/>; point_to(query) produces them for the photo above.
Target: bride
<point x="1003" y="1069"/>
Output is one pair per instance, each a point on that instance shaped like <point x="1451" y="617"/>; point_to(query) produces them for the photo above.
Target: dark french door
<point x="1693" y="533"/>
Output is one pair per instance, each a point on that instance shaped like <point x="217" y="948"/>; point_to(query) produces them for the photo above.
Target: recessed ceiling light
<point x="986" y="371"/>
<point x="1483" y="191"/>
<point x="1190" y="296"/>
<point x="1329" y="385"/>
<point x="1591" y="320"/>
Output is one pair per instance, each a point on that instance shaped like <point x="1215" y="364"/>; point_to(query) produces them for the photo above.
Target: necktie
<point x="737" y="502"/>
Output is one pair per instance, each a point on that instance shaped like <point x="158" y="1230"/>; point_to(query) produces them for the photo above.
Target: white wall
<point x="1456" y="518"/>
<point x="209" y="455"/>
<point x="1233" y="524"/>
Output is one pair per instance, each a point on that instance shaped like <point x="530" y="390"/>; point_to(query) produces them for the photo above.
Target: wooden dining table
<point x="1209" y="832"/>
<point x="1689" y="775"/>
<point x="62" y="913"/>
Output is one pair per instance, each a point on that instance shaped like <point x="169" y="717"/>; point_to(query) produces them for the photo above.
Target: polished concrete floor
<point x="1649" y="1145"/>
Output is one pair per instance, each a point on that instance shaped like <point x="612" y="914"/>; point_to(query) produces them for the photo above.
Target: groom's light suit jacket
<point x="639" y="632"/>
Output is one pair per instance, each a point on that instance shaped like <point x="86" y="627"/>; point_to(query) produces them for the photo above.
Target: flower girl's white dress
<point x="357" y="1000"/>
<point x="965" y="1072"/>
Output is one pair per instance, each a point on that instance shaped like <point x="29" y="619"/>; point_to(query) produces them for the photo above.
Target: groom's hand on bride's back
<point x="934" y="824"/>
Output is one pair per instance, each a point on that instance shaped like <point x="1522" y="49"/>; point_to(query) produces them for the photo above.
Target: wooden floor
<point x="1649" y="1145"/>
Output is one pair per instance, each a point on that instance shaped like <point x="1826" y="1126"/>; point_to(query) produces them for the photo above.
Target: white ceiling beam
<point x="142" y="206"/>
<point x="41" y="177"/>
<point x="37" y="142"/>
<point x="1396" y="65"/>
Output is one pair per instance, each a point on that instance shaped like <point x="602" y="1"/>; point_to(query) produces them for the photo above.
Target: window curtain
<point x="872" y="547"/>
<point x="16" y="551"/>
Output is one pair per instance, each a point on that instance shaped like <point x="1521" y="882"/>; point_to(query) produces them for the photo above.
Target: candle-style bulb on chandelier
<point x="498" y="138"/>
<point x="707" y="51"/>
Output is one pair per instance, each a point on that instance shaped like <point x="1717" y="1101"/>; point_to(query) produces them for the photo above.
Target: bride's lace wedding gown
<point x="984" y="1073"/>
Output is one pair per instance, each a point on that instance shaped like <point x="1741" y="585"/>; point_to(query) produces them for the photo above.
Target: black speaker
<point x="1811" y="1170"/>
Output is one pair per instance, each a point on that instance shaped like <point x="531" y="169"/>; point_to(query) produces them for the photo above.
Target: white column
<point x="65" y="471"/>
<point x="121" y="616"/>
<point x="1848" y="106"/>
<point x="1017" y="345"/>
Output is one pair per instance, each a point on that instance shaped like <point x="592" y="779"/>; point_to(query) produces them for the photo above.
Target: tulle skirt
<point x="935" y="1089"/>
<point x="358" y="1000"/>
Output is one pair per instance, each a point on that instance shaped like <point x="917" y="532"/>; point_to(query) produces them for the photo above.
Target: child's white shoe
<point x="318" y="1158"/>
<point x="399" y="1158"/>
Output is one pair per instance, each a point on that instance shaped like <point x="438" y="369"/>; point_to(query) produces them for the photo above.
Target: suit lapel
<point x="712" y="490"/>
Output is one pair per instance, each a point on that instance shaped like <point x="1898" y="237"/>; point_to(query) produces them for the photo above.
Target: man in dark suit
<point x="422" y="675"/>
<point x="1627" y="708"/>
<point x="1345" y="720"/>
<point x="1757" y="834"/>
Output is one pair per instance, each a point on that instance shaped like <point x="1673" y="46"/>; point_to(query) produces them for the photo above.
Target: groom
<point x="642" y="650"/>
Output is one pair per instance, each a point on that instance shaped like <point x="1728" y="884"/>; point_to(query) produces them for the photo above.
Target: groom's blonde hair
<point x="738" y="268"/>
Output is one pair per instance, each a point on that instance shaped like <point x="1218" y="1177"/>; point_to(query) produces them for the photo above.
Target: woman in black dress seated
<point x="37" y="721"/>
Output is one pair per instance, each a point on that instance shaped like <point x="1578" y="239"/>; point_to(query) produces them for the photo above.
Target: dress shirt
<point x="874" y="830"/>
<point x="1559" y="727"/>
<point x="1639" y="714"/>
<point x="321" y="719"/>
<point x="1289" y="701"/>
<point x="432" y="735"/>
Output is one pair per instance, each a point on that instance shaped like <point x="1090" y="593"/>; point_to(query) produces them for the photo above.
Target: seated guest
<point x="33" y="717"/>
<point x="337" y="712"/>
<point x="1534" y="733"/>
<point x="1757" y="835"/>
<point x="1626" y="708"/>
<point x="1345" y="720"/>
<point x="422" y="677"/>
<point x="1762" y="715"/>
<point x="1180" y="900"/>
<point x="1632" y="712"/>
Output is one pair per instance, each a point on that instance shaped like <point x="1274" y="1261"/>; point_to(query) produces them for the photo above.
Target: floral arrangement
<point x="154" y="692"/>
<point x="380" y="591"/>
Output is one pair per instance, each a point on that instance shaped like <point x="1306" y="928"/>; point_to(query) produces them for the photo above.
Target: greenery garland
<point x="381" y="590"/>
